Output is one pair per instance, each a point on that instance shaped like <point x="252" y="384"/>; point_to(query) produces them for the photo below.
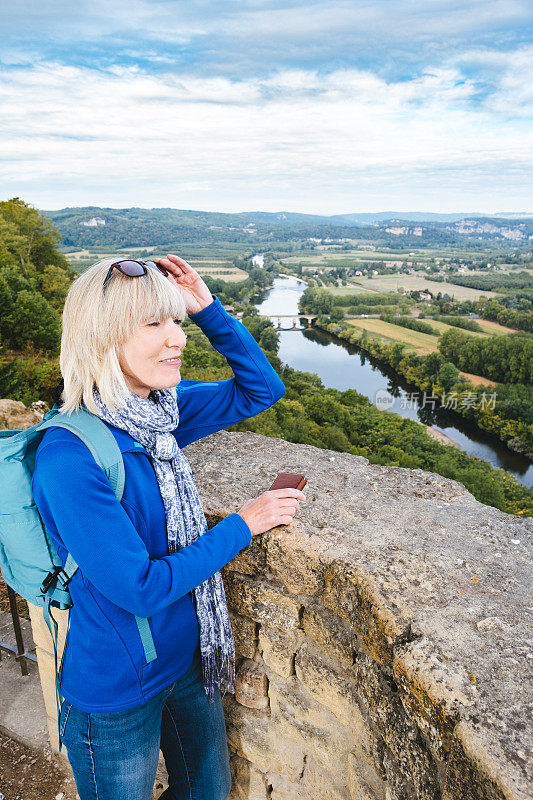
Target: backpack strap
<point x="146" y="638"/>
<point x="53" y="627"/>
<point x="103" y="446"/>
<point x="97" y="437"/>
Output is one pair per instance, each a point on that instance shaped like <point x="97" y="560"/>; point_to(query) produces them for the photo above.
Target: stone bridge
<point x="382" y="641"/>
<point x="310" y="318"/>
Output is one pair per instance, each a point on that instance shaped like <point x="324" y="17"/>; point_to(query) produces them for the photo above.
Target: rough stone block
<point x="433" y="691"/>
<point x="380" y="702"/>
<point x="251" y="685"/>
<point x="46" y="665"/>
<point x="330" y="633"/>
<point x="320" y="785"/>
<point x="53" y="735"/>
<point x="398" y="786"/>
<point x="278" y="648"/>
<point x="14" y="416"/>
<point x="410" y="774"/>
<point x="261" y="602"/>
<point x="251" y="736"/>
<point x="161" y="778"/>
<point x="247" y="781"/>
<point x="293" y="555"/>
<point x="250" y="561"/>
<point x="244" y="635"/>
<point x="363" y="780"/>
<point x="408" y="554"/>
<point x="282" y="789"/>
<point x="40" y="632"/>
<point x="342" y="690"/>
<point x="473" y="775"/>
<point x="352" y="594"/>
<point x="296" y="716"/>
<point x="330" y="685"/>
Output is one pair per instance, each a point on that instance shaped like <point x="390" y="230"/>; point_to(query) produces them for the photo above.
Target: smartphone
<point x="289" y="480"/>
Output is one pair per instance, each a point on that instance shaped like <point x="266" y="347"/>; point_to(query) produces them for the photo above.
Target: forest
<point x="505" y="359"/>
<point x="112" y="228"/>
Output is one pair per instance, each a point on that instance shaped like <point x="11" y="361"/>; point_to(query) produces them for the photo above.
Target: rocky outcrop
<point x="15" y="416"/>
<point x="382" y="638"/>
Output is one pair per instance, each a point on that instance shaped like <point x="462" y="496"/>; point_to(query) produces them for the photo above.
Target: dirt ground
<point x="29" y="775"/>
<point x="26" y="774"/>
<point x="22" y="605"/>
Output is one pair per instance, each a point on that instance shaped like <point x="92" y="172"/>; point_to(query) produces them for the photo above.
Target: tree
<point x="34" y="320"/>
<point x="316" y="300"/>
<point x="432" y="364"/>
<point x="36" y="240"/>
<point x="54" y="283"/>
<point x="448" y="375"/>
<point x="269" y="339"/>
<point x="397" y="352"/>
<point x="34" y="278"/>
<point x="12" y="244"/>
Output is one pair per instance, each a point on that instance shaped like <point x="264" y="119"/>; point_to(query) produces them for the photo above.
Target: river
<point x="343" y="366"/>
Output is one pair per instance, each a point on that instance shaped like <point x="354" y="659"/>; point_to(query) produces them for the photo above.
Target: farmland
<point x="389" y="333"/>
<point x="421" y="343"/>
<point x="216" y="267"/>
<point x="417" y="282"/>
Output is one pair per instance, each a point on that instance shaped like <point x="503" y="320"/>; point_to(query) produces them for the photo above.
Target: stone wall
<point x="381" y="638"/>
<point x="382" y="643"/>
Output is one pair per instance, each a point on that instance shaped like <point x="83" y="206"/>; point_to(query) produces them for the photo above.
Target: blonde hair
<point x="97" y="321"/>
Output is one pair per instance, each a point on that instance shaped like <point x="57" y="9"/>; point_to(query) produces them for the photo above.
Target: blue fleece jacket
<point x="121" y="548"/>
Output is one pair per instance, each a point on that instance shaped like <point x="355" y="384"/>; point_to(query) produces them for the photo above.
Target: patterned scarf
<point x="149" y="421"/>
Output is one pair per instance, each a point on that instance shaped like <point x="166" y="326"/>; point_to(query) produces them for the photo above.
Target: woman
<point x="150" y="555"/>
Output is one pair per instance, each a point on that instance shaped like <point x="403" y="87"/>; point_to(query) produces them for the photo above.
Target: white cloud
<point x="506" y="76"/>
<point x="298" y="139"/>
<point x="259" y="35"/>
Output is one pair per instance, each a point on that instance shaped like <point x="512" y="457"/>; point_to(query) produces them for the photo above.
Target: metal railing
<point x="21" y="654"/>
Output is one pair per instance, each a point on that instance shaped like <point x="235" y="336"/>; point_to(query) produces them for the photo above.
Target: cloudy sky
<point x="319" y="107"/>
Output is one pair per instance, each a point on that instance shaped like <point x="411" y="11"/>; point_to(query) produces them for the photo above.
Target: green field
<point x="422" y="342"/>
<point x="216" y="267"/>
<point x="448" y="253"/>
<point x="493" y="328"/>
<point x="390" y="283"/>
<point x="355" y="289"/>
<point x="443" y="326"/>
<point x="231" y="276"/>
<point x="426" y="340"/>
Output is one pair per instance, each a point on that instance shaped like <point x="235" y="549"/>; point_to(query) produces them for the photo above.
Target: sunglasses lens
<point x="157" y="266"/>
<point x="130" y="268"/>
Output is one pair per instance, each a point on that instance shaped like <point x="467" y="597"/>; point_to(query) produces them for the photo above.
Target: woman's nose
<point x="175" y="335"/>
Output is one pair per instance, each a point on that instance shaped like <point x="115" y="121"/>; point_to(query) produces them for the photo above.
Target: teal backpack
<point x="28" y="559"/>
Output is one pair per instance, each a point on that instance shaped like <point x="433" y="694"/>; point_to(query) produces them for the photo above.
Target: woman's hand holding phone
<point x="277" y="506"/>
<point x="272" y="508"/>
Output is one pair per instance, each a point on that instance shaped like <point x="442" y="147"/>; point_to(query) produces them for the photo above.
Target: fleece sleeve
<point x="209" y="406"/>
<point x="77" y="503"/>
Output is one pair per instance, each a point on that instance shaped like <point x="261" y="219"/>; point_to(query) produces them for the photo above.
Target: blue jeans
<point x="114" y="755"/>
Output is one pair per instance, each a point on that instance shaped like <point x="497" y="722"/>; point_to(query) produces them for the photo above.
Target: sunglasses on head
<point x="133" y="269"/>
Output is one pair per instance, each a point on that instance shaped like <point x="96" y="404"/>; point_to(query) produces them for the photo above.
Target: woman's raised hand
<point x="275" y="507"/>
<point x="188" y="282"/>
